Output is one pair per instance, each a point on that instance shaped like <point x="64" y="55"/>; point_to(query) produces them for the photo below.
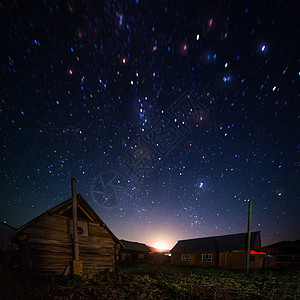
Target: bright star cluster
<point x="83" y="81"/>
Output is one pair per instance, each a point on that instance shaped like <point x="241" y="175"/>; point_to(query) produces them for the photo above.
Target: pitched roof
<point x="284" y="247"/>
<point x="134" y="246"/>
<point x="219" y="243"/>
<point x="65" y="206"/>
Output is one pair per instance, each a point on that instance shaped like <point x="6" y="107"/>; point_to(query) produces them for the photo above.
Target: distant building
<point x="7" y="248"/>
<point x="5" y="236"/>
<point x="286" y="253"/>
<point x="133" y="251"/>
<point x="159" y="257"/>
<point x="220" y="251"/>
<point x="46" y="242"/>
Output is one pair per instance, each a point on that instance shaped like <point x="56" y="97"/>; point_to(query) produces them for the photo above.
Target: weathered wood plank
<point x="97" y="230"/>
<point x="46" y="241"/>
<point x="52" y="222"/>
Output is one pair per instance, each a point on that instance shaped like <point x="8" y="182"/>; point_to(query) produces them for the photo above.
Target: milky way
<point x="92" y="90"/>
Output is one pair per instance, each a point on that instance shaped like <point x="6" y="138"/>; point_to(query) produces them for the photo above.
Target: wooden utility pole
<point x="248" y="237"/>
<point x="75" y="233"/>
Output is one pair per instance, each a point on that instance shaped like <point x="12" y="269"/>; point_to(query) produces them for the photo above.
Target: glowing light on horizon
<point x="160" y="246"/>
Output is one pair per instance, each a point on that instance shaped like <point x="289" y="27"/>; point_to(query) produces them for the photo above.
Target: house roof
<point x="134" y="246"/>
<point x="63" y="207"/>
<point x="284" y="247"/>
<point x="219" y="243"/>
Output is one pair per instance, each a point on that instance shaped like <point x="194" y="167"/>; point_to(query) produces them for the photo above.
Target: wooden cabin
<point x="133" y="251"/>
<point x="220" y="251"/>
<point x="46" y="243"/>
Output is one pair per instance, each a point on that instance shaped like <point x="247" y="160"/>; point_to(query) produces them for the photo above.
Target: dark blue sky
<point x="99" y="91"/>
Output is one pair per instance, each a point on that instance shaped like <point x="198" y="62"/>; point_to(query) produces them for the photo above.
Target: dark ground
<point x="146" y="281"/>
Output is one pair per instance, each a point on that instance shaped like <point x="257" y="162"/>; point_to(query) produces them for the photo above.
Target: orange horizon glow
<point x="160" y="245"/>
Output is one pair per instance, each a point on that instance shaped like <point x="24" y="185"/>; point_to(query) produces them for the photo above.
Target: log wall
<point x="232" y="260"/>
<point x="195" y="259"/>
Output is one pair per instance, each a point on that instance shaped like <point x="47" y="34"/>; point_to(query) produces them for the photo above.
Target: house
<point x="285" y="254"/>
<point x="219" y="251"/>
<point x="46" y="243"/>
<point x="7" y="248"/>
<point x="5" y="232"/>
<point x="133" y="251"/>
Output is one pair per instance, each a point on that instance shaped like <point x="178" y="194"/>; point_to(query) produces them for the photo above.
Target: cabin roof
<point x="64" y="207"/>
<point x="219" y="243"/>
<point x="134" y="246"/>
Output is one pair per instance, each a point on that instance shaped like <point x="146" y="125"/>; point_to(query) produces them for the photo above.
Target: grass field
<point x="145" y="281"/>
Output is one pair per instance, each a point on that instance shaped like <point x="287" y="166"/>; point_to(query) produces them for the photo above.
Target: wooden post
<point x="248" y="237"/>
<point x="75" y="233"/>
<point x="116" y="254"/>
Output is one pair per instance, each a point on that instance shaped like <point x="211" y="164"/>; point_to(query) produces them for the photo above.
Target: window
<point x="207" y="257"/>
<point x="127" y="256"/>
<point x="141" y="256"/>
<point x="82" y="228"/>
<point x="185" y="257"/>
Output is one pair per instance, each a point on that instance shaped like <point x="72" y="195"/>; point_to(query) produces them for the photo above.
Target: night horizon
<point x="170" y="116"/>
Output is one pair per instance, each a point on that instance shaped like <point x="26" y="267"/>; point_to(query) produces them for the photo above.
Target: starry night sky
<point x="83" y="82"/>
